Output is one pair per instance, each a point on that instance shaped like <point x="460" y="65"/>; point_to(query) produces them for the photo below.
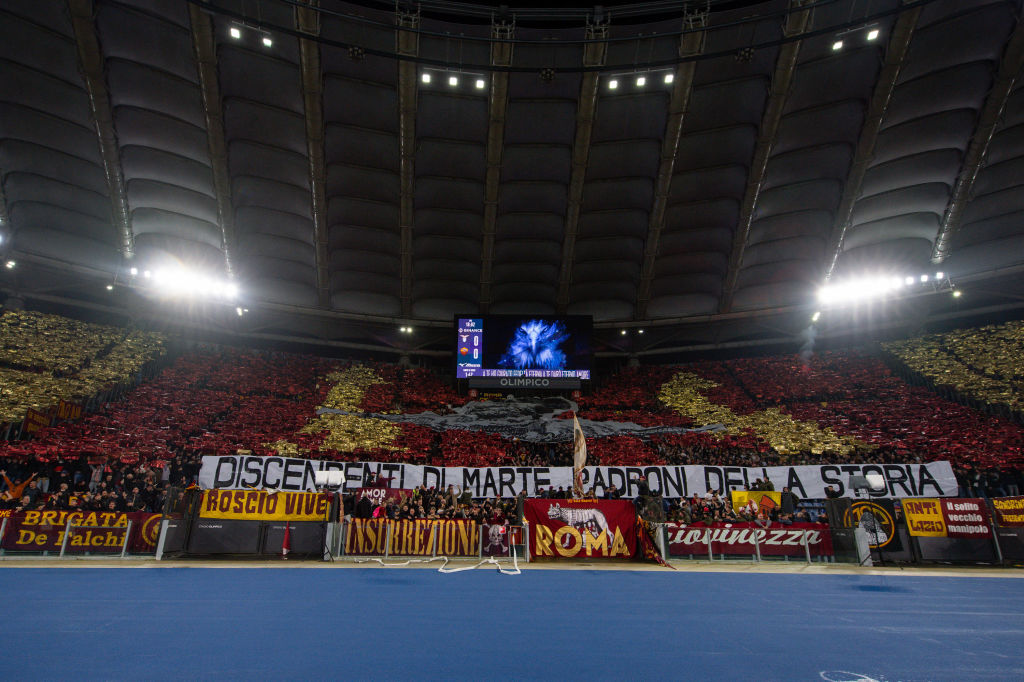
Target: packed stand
<point x="47" y="358"/>
<point x="980" y="366"/>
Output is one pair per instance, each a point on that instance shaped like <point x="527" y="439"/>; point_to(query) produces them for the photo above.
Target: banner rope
<point x="444" y="567"/>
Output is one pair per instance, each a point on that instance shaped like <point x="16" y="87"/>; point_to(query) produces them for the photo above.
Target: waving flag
<point x="579" y="457"/>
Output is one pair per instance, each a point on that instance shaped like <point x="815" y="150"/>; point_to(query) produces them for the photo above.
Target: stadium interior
<point x="707" y="273"/>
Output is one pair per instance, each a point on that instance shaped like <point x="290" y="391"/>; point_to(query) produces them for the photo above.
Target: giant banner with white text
<point x="934" y="479"/>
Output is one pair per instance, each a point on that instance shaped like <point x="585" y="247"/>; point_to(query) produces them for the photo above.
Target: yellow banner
<point x="924" y="517"/>
<point x="418" y="537"/>
<point x="764" y="499"/>
<point x="260" y="505"/>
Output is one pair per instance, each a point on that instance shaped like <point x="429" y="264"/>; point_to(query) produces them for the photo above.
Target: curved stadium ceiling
<point x="310" y="160"/>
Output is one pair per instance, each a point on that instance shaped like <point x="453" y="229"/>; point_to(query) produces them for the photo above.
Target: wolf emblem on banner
<point x="591" y="520"/>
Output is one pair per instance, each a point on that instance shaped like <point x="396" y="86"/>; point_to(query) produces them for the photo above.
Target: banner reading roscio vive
<point x="934" y="479"/>
<point x="260" y="505"/>
<point x="417" y="537"/>
<point x="581" y="529"/>
<point x="953" y="518"/>
<point x="43" y="531"/>
<point x="747" y="538"/>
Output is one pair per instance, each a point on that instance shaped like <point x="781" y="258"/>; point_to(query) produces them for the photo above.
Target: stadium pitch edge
<point x="682" y="566"/>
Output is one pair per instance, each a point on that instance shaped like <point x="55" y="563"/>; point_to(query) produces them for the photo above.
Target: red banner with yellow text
<point x="747" y="538"/>
<point x="416" y="537"/>
<point x="582" y="529"/>
<point x="1009" y="511"/>
<point x="94" y="532"/>
<point x="261" y="505"/>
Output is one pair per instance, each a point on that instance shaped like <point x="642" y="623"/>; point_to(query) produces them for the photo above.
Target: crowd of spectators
<point x="431" y="504"/>
<point x="222" y="401"/>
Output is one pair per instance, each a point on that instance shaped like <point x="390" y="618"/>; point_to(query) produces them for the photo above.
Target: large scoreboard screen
<point x="534" y="346"/>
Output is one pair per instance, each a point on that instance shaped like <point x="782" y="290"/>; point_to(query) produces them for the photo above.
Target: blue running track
<point x="374" y="624"/>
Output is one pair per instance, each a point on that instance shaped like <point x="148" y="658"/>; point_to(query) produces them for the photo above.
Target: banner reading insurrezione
<point x="419" y="537"/>
<point x="748" y="538"/>
<point x="954" y="518"/>
<point x="581" y="529"/>
<point x="260" y="505"/>
<point x="934" y="479"/>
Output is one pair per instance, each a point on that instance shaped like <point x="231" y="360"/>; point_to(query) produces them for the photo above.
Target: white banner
<point x="934" y="479"/>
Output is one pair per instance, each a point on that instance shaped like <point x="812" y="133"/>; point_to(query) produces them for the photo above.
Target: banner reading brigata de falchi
<point x="747" y="537"/>
<point x="93" y="532"/>
<point x="581" y="528"/>
<point x="229" y="472"/>
<point x="411" y="537"/>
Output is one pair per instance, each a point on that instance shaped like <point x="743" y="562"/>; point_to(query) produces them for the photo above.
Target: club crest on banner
<point x="875" y="519"/>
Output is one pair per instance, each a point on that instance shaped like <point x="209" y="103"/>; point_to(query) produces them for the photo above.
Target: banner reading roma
<point x="419" y="537"/>
<point x="260" y="505"/>
<point x="1009" y="511"/>
<point x="746" y="537"/>
<point x="94" y="532"/>
<point x="581" y="528"/>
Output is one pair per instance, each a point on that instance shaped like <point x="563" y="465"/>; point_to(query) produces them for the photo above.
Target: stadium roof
<point x="355" y="167"/>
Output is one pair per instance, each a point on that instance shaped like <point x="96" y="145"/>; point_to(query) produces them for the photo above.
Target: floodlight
<point x="267" y="42"/>
<point x="957" y="293"/>
<point x="133" y="271"/>
<point x="623" y="332"/>
<point x="110" y="287"/>
<point x="816" y="316"/>
<point x="836" y="46"/>
<point x="453" y="81"/>
<point x="939" y="275"/>
<point x="425" y="78"/>
<point x="612" y="84"/>
<point x="639" y="331"/>
<point x="480" y="83"/>
<point x="1" y="237"/>
<point x="908" y="281"/>
<point x="669" y="77"/>
<point x="10" y="264"/>
<point x="239" y="311"/>
<point x="231" y="290"/>
<point x="872" y="34"/>
<point x="147" y="274"/>
<point x="641" y="81"/>
<point x="924" y="278"/>
<point x="235" y="32"/>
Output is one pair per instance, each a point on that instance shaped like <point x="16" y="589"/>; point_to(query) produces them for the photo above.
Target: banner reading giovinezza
<point x="419" y="537"/>
<point x="746" y="538"/>
<point x="934" y="479"/>
<point x="93" y="532"/>
<point x="581" y="528"/>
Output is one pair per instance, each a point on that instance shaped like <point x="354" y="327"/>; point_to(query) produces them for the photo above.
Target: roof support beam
<point x="497" y="105"/>
<point x="90" y="61"/>
<point x="690" y="44"/>
<point x="308" y="22"/>
<point x="593" y="55"/>
<point x="995" y="102"/>
<point x="895" y="53"/>
<point x="408" y="43"/>
<point x="205" y="51"/>
<point x="797" y="22"/>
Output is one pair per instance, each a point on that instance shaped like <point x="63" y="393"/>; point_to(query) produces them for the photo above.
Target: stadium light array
<point x="180" y="282"/>
<point x="235" y="32"/>
<point x="857" y="290"/>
